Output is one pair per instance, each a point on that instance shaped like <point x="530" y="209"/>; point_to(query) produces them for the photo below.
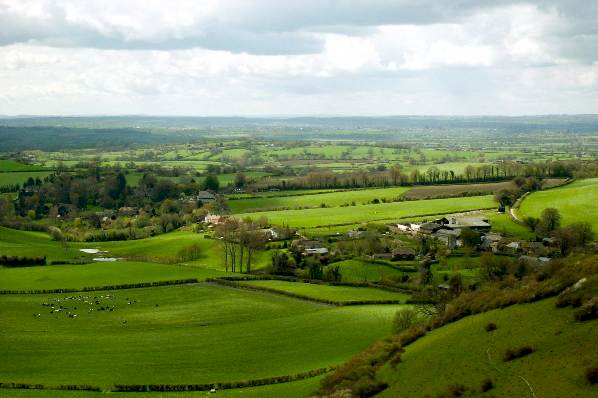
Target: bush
<point x="454" y="390"/>
<point x="515" y="353"/>
<point x="588" y="311"/>
<point x="189" y="253"/>
<point x="17" y="261"/>
<point x="487" y="385"/>
<point x="403" y="320"/>
<point x="592" y="375"/>
<point x="491" y="327"/>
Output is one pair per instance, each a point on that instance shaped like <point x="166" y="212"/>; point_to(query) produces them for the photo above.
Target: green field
<point x="576" y="202"/>
<point x="7" y="165"/>
<point x="464" y="353"/>
<point x="19" y="177"/>
<point x="97" y="274"/>
<point x="326" y="292"/>
<point x="331" y="199"/>
<point x="296" y="389"/>
<point x="387" y="212"/>
<point x="179" y="334"/>
<point x="363" y="271"/>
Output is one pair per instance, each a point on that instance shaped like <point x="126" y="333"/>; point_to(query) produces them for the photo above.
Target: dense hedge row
<point x="220" y="386"/>
<point x="376" y="285"/>
<point x="109" y="287"/>
<point x="37" y="386"/>
<point x="240" y="285"/>
<point x="18" y="261"/>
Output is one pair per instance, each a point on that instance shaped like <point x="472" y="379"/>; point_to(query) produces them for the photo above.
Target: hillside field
<point x="465" y="353"/>
<point x="200" y="333"/>
<point x="576" y="202"/>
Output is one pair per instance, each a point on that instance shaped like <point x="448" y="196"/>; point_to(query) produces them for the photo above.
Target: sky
<point x="298" y="57"/>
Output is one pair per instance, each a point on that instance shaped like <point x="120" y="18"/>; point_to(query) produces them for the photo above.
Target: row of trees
<point x="240" y="240"/>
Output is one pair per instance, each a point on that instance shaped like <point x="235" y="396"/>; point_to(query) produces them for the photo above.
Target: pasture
<point x="465" y="353"/>
<point x="577" y="202"/>
<point x="97" y="274"/>
<point x="178" y="334"/>
<point x="383" y="212"/>
<point x="341" y="294"/>
<point x="329" y="199"/>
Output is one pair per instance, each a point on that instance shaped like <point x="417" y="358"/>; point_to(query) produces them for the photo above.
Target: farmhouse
<point x="479" y="224"/>
<point x="205" y="197"/>
<point x="448" y="236"/>
<point x="214" y="219"/>
<point x="403" y="254"/>
<point x="320" y="251"/>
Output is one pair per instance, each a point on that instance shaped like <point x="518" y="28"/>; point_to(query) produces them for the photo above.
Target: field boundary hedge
<point x="221" y="385"/>
<point x="241" y="285"/>
<point x="39" y="386"/>
<point x="374" y="285"/>
<point x="107" y="287"/>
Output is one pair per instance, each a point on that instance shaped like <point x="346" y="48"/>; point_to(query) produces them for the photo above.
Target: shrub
<point x="487" y="385"/>
<point x="592" y="375"/>
<point x="403" y="320"/>
<point x="491" y="327"/>
<point x="588" y="311"/>
<point x="369" y="388"/>
<point x="515" y="353"/>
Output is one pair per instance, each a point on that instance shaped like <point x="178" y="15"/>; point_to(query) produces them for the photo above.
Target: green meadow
<point x="310" y="218"/>
<point x="328" y="292"/>
<point x="178" y="334"/>
<point x="465" y="353"/>
<point x="330" y="199"/>
<point x="577" y="202"/>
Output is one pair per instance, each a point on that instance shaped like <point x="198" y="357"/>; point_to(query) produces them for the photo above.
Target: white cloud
<point x="268" y="57"/>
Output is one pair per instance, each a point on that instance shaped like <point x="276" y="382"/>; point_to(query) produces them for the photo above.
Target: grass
<point x="97" y="274"/>
<point x="459" y="353"/>
<point x="26" y="243"/>
<point x="432" y="191"/>
<point x="7" y="165"/>
<point x="502" y="223"/>
<point x="19" y="177"/>
<point x="310" y="218"/>
<point x="196" y="334"/>
<point x="326" y="292"/>
<point x="577" y="202"/>
<point x="331" y="199"/>
<point x="296" y="389"/>
<point x="363" y="271"/>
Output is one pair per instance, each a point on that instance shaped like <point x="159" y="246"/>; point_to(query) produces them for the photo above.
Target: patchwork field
<point x="177" y="334"/>
<point x="331" y="199"/>
<point x="576" y="202"/>
<point x="376" y="212"/>
<point x="465" y="353"/>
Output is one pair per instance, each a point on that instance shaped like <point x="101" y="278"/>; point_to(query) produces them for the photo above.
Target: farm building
<point x="205" y="197"/>
<point x="214" y="219"/>
<point x="403" y="254"/>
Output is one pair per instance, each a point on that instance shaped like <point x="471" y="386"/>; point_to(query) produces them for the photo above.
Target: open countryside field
<point x="376" y="212"/>
<point x="464" y="353"/>
<point x="331" y="199"/>
<point x="97" y="274"/>
<point x="577" y="202"/>
<point x="196" y="332"/>
<point x="328" y="292"/>
<point x="19" y="177"/>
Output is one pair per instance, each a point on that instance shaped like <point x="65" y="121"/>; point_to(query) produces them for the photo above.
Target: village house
<point x="214" y="219"/>
<point x="450" y="237"/>
<point x="403" y="254"/>
<point x="205" y="197"/>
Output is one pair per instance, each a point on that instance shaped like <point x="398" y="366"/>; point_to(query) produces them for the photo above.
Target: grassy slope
<point x="334" y="293"/>
<point x="11" y="178"/>
<point x="332" y="199"/>
<point x="197" y="334"/>
<point x="379" y="212"/>
<point x="363" y="271"/>
<point x="569" y="199"/>
<point x="457" y="353"/>
<point x="97" y="274"/>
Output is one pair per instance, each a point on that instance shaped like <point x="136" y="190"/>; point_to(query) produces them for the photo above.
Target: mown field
<point x="465" y="353"/>
<point x="330" y="199"/>
<point x="327" y="292"/>
<point x="577" y="202"/>
<point x="178" y="334"/>
<point x="97" y="274"/>
<point x="309" y="218"/>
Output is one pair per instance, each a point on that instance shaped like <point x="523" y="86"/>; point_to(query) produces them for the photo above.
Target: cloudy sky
<point x="291" y="57"/>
